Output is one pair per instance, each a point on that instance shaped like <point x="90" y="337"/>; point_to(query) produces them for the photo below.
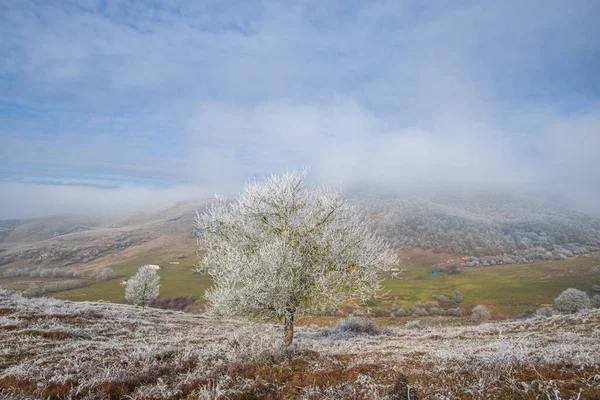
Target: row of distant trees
<point x="492" y="231"/>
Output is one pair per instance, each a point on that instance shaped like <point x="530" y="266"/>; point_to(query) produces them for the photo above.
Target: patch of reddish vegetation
<point x="427" y="256"/>
<point x="287" y="379"/>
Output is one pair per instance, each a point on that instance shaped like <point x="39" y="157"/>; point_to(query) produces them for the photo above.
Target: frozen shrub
<point x="353" y="327"/>
<point x="480" y="313"/>
<point x="444" y="300"/>
<point x="456" y="297"/>
<point x="420" y="311"/>
<point x="508" y="354"/>
<point x="413" y="324"/>
<point x="45" y="273"/>
<point x="380" y="312"/>
<point x="399" y="311"/>
<point x="453" y="269"/>
<point x="39" y="272"/>
<point x="572" y="300"/>
<point x="52" y="287"/>
<point x="256" y="344"/>
<point x="33" y="290"/>
<point x="596" y="300"/>
<point x="456" y="312"/>
<point x="545" y="312"/>
<point x="104" y="274"/>
<point x="63" y="286"/>
<point x="596" y="288"/>
<point x="435" y="311"/>
<point x="430" y="304"/>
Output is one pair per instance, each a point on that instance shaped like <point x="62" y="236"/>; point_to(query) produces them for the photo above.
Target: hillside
<point x="55" y="349"/>
<point x="81" y="242"/>
<point x="63" y="254"/>
<point x="491" y="228"/>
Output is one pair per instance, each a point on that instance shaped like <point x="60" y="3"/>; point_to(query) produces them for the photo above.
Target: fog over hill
<point x="493" y="228"/>
<point x="489" y="228"/>
<point x="78" y="241"/>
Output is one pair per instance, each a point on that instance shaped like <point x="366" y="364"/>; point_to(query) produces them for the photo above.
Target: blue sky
<point x="104" y="104"/>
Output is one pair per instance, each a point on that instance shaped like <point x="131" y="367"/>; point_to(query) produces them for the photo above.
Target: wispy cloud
<point x="500" y="95"/>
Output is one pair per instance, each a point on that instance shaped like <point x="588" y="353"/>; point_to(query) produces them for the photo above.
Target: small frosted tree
<point x="480" y="313"/>
<point x="572" y="300"/>
<point x="282" y="248"/>
<point x="143" y="287"/>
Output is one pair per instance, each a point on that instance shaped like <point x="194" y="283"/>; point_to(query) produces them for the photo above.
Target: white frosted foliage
<point x="284" y="247"/>
<point x="143" y="287"/>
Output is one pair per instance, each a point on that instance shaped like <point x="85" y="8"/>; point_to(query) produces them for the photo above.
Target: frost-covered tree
<point x="143" y="287"/>
<point x="480" y="313"/>
<point x="572" y="300"/>
<point x="283" y="247"/>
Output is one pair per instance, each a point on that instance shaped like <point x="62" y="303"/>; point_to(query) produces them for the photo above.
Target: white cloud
<point x="470" y="95"/>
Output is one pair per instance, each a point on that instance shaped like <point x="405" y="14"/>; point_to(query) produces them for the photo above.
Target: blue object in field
<point x="434" y="272"/>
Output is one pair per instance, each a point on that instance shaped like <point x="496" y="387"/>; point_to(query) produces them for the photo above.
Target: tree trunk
<point x="288" y="328"/>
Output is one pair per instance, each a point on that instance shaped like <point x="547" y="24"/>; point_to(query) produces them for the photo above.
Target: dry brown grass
<point x="58" y="350"/>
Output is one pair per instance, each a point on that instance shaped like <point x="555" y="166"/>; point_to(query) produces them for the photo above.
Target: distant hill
<point x="76" y="241"/>
<point x="493" y="229"/>
<point x="489" y="228"/>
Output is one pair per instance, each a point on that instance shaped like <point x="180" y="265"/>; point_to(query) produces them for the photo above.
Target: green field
<point x="507" y="290"/>
<point x="175" y="280"/>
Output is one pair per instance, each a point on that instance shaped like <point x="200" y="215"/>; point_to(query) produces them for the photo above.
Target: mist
<point x="107" y="109"/>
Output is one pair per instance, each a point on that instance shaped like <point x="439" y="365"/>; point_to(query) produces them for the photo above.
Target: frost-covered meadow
<point x="55" y="349"/>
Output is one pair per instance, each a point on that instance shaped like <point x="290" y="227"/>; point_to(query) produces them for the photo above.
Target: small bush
<point x="33" y="290"/>
<point x="399" y="311"/>
<point x="52" y="287"/>
<point x="413" y="324"/>
<point x="443" y="299"/>
<point x="572" y="300"/>
<point x="62" y="286"/>
<point x="545" y="312"/>
<point x="104" y="274"/>
<point x="456" y="312"/>
<point x="453" y="269"/>
<point x="380" y="312"/>
<point x="255" y="344"/>
<point x="480" y="313"/>
<point x="353" y="327"/>
<point x="420" y="311"/>
<point x="596" y="300"/>
<point x="457" y="297"/>
<point x="596" y="288"/>
<point x="435" y="311"/>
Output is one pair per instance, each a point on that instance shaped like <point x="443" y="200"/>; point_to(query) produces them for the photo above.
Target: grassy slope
<point x="176" y="280"/>
<point x="508" y="290"/>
